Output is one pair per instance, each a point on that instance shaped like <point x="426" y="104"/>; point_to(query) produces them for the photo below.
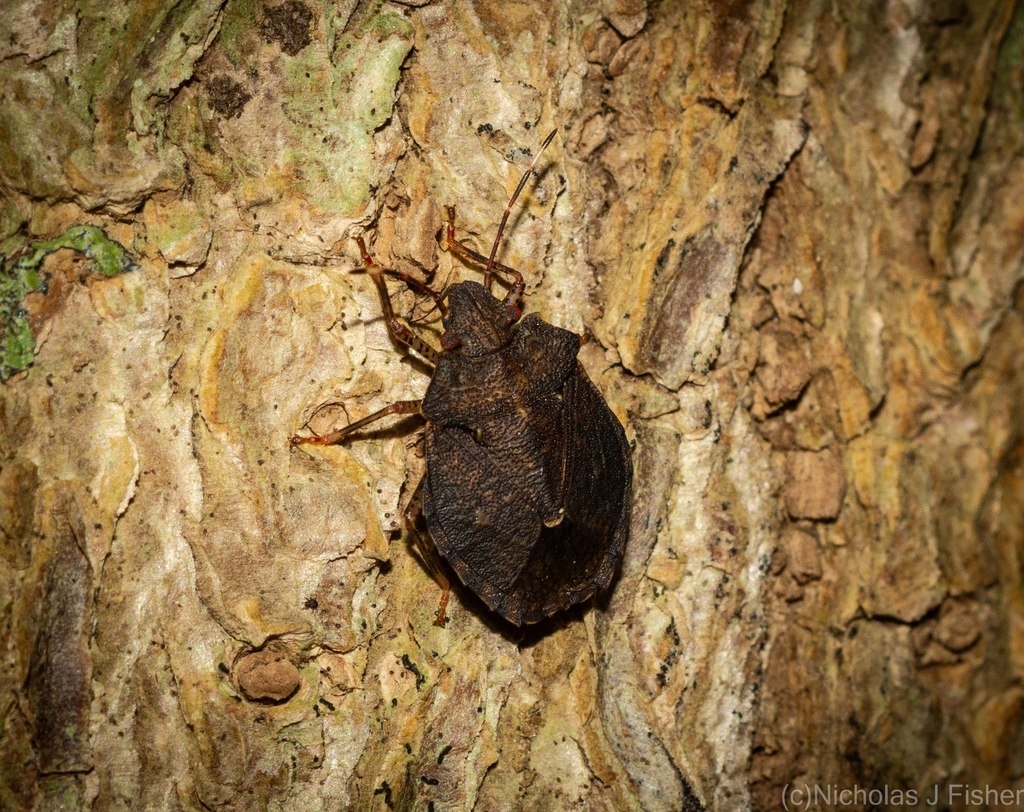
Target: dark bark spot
<point x="60" y="672"/>
<point x="227" y="96"/>
<point x="288" y="25"/>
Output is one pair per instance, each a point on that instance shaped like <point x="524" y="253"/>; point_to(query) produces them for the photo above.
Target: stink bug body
<point x="527" y="484"/>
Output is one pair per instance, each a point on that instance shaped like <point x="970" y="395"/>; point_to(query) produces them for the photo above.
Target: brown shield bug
<point x="527" y="486"/>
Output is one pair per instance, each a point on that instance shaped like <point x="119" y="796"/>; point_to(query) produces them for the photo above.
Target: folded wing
<point x="493" y="533"/>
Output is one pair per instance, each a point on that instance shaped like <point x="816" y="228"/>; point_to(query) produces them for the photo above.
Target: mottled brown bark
<point x="796" y="231"/>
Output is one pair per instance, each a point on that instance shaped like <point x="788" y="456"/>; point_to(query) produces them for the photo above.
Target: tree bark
<point x="796" y="231"/>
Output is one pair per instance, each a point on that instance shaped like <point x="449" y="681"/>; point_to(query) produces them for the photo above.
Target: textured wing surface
<point x="490" y="529"/>
<point x="480" y="520"/>
<point x="597" y="489"/>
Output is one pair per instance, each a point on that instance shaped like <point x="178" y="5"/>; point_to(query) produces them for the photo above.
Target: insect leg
<point x="399" y="407"/>
<point x="467" y="254"/>
<point x="412" y="282"/>
<point x="398" y="329"/>
<point x="427" y="553"/>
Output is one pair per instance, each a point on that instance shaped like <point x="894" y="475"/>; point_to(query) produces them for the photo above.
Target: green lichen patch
<point x="23" y="276"/>
<point x="292" y="99"/>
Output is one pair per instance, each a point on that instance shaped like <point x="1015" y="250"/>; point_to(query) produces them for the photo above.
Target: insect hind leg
<point x="427" y="552"/>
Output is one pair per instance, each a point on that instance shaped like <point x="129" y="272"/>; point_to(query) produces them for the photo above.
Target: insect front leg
<point x="413" y="282"/>
<point x="467" y="254"/>
<point x="427" y="552"/>
<point x="398" y="329"/>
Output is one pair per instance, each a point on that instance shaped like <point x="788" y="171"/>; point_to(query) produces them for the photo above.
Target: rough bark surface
<point x="796" y="230"/>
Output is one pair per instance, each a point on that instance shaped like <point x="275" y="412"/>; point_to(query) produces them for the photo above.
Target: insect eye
<point x="514" y="313"/>
<point x="450" y="340"/>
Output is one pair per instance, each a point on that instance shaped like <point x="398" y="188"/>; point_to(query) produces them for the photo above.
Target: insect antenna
<point x="508" y="209"/>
